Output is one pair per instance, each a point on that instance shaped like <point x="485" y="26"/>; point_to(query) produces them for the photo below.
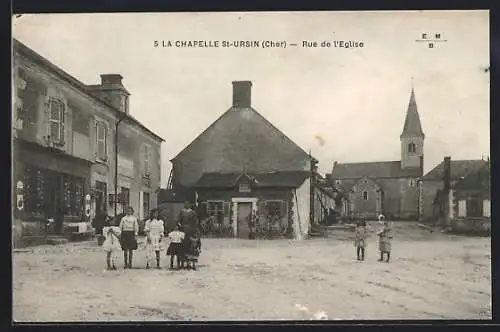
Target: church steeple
<point x="412" y="137"/>
<point x="412" y="126"/>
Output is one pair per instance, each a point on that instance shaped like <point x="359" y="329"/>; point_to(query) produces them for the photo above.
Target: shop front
<point x="52" y="190"/>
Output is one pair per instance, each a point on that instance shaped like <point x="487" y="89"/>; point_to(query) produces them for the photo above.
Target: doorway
<point x="244" y="215"/>
<point x="54" y="200"/>
<point x="100" y="197"/>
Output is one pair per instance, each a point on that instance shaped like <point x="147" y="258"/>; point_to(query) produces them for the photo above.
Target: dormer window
<point x="244" y="187"/>
<point x="412" y="148"/>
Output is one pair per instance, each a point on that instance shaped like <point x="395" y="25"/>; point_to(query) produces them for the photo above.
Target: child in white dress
<point x="111" y="245"/>
<point x="154" y="230"/>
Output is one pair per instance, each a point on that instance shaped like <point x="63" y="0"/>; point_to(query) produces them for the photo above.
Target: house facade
<point x="389" y="187"/>
<point x="64" y="148"/>
<point x="243" y="167"/>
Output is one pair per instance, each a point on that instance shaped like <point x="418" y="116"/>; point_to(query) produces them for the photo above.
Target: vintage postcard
<point x="249" y="166"/>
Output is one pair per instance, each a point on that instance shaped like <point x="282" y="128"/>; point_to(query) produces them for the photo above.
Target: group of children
<point x="186" y="247"/>
<point x="385" y="238"/>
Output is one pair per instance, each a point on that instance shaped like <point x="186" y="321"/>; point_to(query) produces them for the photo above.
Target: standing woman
<point x="154" y="230"/>
<point x="385" y="239"/>
<point x="129" y="227"/>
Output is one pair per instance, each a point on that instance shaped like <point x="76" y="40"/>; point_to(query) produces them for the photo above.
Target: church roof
<point x="459" y="169"/>
<point x="412" y="126"/>
<point x="373" y="170"/>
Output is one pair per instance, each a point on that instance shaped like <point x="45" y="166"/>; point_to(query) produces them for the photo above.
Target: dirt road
<point x="432" y="276"/>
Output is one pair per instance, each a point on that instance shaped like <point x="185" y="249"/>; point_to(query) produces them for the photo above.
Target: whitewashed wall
<point x="301" y="210"/>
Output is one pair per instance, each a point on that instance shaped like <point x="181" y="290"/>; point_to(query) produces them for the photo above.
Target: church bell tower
<point x="412" y="137"/>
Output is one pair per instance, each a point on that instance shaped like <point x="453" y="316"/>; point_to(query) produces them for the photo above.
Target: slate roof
<point x="286" y="179"/>
<point x="412" y="126"/>
<point x="373" y="170"/>
<point x="38" y="59"/>
<point x="459" y="169"/>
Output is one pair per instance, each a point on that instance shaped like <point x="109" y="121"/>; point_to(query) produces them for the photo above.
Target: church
<point x="393" y="188"/>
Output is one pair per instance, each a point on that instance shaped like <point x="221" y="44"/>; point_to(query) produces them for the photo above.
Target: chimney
<point x="111" y="79"/>
<point x="242" y="94"/>
<point x="447" y="174"/>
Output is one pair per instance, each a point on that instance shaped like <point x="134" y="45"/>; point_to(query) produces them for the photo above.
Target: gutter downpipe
<point x="116" y="162"/>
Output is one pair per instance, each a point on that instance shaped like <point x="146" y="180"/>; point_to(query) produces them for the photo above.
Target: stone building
<point x="390" y="187"/>
<point x="459" y="173"/>
<point x="243" y="166"/>
<point x="64" y="151"/>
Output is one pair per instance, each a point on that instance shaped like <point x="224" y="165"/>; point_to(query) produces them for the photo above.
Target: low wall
<point x="471" y="226"/>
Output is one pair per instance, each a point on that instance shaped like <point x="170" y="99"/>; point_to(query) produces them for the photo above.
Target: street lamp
<point x="116" y="162"/>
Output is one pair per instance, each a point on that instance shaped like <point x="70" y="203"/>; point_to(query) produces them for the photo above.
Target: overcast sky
<point x="345" y="105"/>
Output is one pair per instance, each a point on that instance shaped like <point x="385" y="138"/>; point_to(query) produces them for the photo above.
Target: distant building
<point x="460" y="174"/>
<point x="64" y="151"/>
<point x="389" y="187"/>
<point x="243" y="166"/>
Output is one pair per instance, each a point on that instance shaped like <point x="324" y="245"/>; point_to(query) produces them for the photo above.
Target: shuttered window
<point x="147" y="160"/>
<point x="56" y="120"/>
<point x="101" y="140"/>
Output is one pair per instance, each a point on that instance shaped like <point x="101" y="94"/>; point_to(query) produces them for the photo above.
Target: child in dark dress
<point x="175" y="249"/>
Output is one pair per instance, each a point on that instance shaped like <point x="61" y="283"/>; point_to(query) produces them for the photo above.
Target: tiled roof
<point x="459" y="169"/>
<point x="479" y="179"/>
<point x="373" y="170"/>
<point x="288" y="179"/>
<point x="243" y="123"/>
<point x="412" y="126"/>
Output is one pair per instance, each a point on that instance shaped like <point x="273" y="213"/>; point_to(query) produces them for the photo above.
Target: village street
<point x="431" y="276"/>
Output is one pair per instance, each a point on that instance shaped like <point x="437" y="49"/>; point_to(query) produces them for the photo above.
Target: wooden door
<point x="244" y="214"/>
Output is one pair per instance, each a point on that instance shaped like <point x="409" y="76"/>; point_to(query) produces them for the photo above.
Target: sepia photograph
<point x="251" y="166"/>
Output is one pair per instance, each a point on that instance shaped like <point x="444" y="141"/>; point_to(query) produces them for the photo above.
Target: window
<point x="34" y="189"/>
<point x="216" y="209"/>
<point x="365" y="195"/>
<point x="338" y="182"/>
<point x="411" y="182"/>
<point x="244" y="186"/>
<point x="73" y="195"/>
<point x="412" y="148"/>
<point x="101" y="139"/>
<point x="147" y="157"/>
<point x="56" y="120"/>
<point x="365" y="181"/>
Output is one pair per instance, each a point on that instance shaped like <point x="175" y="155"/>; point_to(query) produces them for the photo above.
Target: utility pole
<point x="116" y="163"/>
<point x="312" y="181"/>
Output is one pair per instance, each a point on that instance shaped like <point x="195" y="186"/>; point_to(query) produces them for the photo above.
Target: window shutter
<point x="283" y="211"/>
<point x="106" y="142"/>
<point x="62" y="124"/>
<point x="46" y="110"/>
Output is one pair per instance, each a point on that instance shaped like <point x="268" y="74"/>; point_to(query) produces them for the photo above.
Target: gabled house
<point x="242" y="167"/>
<point x="459" y="190"/>
<point x="389" y="187"/>
<point x="63" y="148"/>
<point x="434" y="182"/>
